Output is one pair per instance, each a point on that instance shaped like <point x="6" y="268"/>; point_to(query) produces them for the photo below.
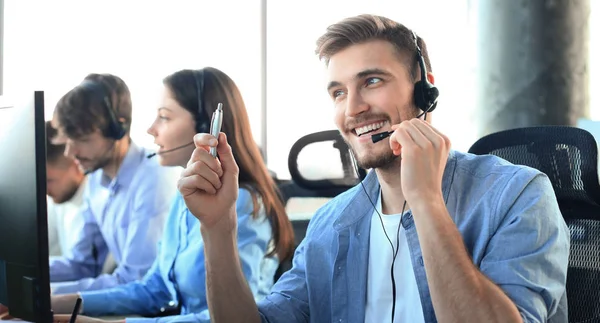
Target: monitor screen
<point x="24" y="272"/>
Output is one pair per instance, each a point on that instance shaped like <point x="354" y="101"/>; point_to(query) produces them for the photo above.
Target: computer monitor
<point x="24" y="272"/>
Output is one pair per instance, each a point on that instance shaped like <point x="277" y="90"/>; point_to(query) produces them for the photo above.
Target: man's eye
<point x="373" y="80"/>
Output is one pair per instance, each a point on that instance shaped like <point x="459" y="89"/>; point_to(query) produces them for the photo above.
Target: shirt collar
<point x="78" y="196"/>
<point x="360" y="206"/>
<point x="132" y="160"/>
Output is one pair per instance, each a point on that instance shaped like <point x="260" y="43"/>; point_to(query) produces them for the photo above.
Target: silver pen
<point x="215" y="126"/>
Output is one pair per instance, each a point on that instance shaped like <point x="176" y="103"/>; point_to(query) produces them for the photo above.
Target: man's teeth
<point x="367" y="128"/>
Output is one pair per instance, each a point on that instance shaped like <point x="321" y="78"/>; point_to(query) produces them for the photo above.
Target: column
<point x="532" y="63"/>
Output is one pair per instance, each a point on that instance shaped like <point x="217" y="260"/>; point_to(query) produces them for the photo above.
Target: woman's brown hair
<point x="208" y="87"/>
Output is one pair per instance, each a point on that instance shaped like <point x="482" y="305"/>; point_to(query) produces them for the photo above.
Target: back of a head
<point x="364" y="28"/>
<point x="84" y="109"/>
<point x="218" y="87"/>
<point x="54" y="152"/>
<point x="63" y="176"/>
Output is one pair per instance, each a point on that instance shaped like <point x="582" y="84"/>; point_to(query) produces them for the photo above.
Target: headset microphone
<point x="170" y="150"/>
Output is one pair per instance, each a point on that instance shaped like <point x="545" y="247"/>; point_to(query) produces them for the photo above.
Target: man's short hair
<point x="82" y="111"/>
<point x="54" y="152"/>
<point x="364" y="28"/>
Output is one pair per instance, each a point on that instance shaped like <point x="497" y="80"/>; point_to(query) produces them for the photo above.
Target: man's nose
<point x="355" y="104"/>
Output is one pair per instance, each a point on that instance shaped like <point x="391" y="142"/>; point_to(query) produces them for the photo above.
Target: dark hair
<point x="254" y="176"/>
<point x="55" y="153"/>
<point x="82" y="111"/>
<point x="364" y="28"/>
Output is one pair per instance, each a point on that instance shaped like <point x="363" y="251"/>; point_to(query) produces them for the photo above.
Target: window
<point x="297" y="101"/>
<point x="53" y="45"/>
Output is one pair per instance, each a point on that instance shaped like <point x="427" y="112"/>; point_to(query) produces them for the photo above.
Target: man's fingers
<point x="201" y="154"/>
<point x="226" y="155"/>
<point x="201" y="169"/>
<point x="426" y="125"/>
<point x="402" y="138"/>
<point x="417" y="136"/>
<point x="202" y="158"/>
<point x="396" y="148"/>
<point x="205" y="141"/>
<point x="190" y="184"/>
<point x="422" y="133"/>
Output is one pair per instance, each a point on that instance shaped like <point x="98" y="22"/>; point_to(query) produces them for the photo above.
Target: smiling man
<point x="431" y="234"/>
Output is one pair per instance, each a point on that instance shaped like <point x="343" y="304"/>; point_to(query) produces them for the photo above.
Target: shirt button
<point x="340" y="268"/>
<point x="172" y="303"/>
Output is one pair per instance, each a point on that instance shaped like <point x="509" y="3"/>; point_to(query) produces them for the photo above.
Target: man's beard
<point x="102" y="161"/>
<point x="380" y="162"/>
<point x="385" y="161"/>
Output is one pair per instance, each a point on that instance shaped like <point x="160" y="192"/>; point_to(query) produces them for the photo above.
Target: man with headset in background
<point x="127" y="197"/>
<point x="431" y="234"/>
<point x="65" y="183"/>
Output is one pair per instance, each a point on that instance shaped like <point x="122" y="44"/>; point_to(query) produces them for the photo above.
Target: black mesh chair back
<point x="569" y="156"/>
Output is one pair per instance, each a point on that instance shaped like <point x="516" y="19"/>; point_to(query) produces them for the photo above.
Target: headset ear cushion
<point x="432" y="94"/>
<point x="117" y="129"/>
<point x="419" y="95"/>
<point x="121" y="131"/>
<point x="425" y="95"/>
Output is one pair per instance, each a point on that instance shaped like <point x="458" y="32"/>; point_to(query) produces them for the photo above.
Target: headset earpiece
<point x="425" y="96"/>
<point x="116" y="129"/>
<point x="425" y="93"/>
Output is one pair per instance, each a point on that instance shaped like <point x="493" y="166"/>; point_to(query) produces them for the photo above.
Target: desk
<point x="303" y="208"/>
<point x="114" y="318"/>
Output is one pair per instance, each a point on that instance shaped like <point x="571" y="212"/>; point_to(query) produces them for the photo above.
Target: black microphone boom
<point x="170" y="150"/>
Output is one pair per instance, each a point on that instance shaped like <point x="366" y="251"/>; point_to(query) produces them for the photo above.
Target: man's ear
<point x="430" y="78"/>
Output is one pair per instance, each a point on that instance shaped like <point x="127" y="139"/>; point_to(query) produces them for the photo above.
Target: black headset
<point x="202" y="119"/>
<point x="425" y="93"/>
<point x="116" y="129"/>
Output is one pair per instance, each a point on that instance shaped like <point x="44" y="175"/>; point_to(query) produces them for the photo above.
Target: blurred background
<point x="497" y="64"/>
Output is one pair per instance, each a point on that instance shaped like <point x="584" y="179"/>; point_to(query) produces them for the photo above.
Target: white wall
<point x="52" y="45"/>
<point x="297" y="100"/>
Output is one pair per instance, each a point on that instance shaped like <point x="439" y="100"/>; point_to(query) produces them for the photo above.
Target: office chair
<point x="569" y="156"/>
<point x="302" y="186"/>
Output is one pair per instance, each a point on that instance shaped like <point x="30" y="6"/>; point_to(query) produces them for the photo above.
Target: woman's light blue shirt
<point x="177" y="277"/>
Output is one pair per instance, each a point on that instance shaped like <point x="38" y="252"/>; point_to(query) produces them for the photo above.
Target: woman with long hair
<point x="176" y="281"/>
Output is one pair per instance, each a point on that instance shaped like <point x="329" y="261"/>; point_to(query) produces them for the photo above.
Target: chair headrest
<point x="349" y="177"/>
<point x="567" y="155"/>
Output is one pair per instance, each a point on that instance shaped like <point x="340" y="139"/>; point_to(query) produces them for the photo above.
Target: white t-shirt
<point x="65" y="222"/>
<point x="379" y="280"/>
